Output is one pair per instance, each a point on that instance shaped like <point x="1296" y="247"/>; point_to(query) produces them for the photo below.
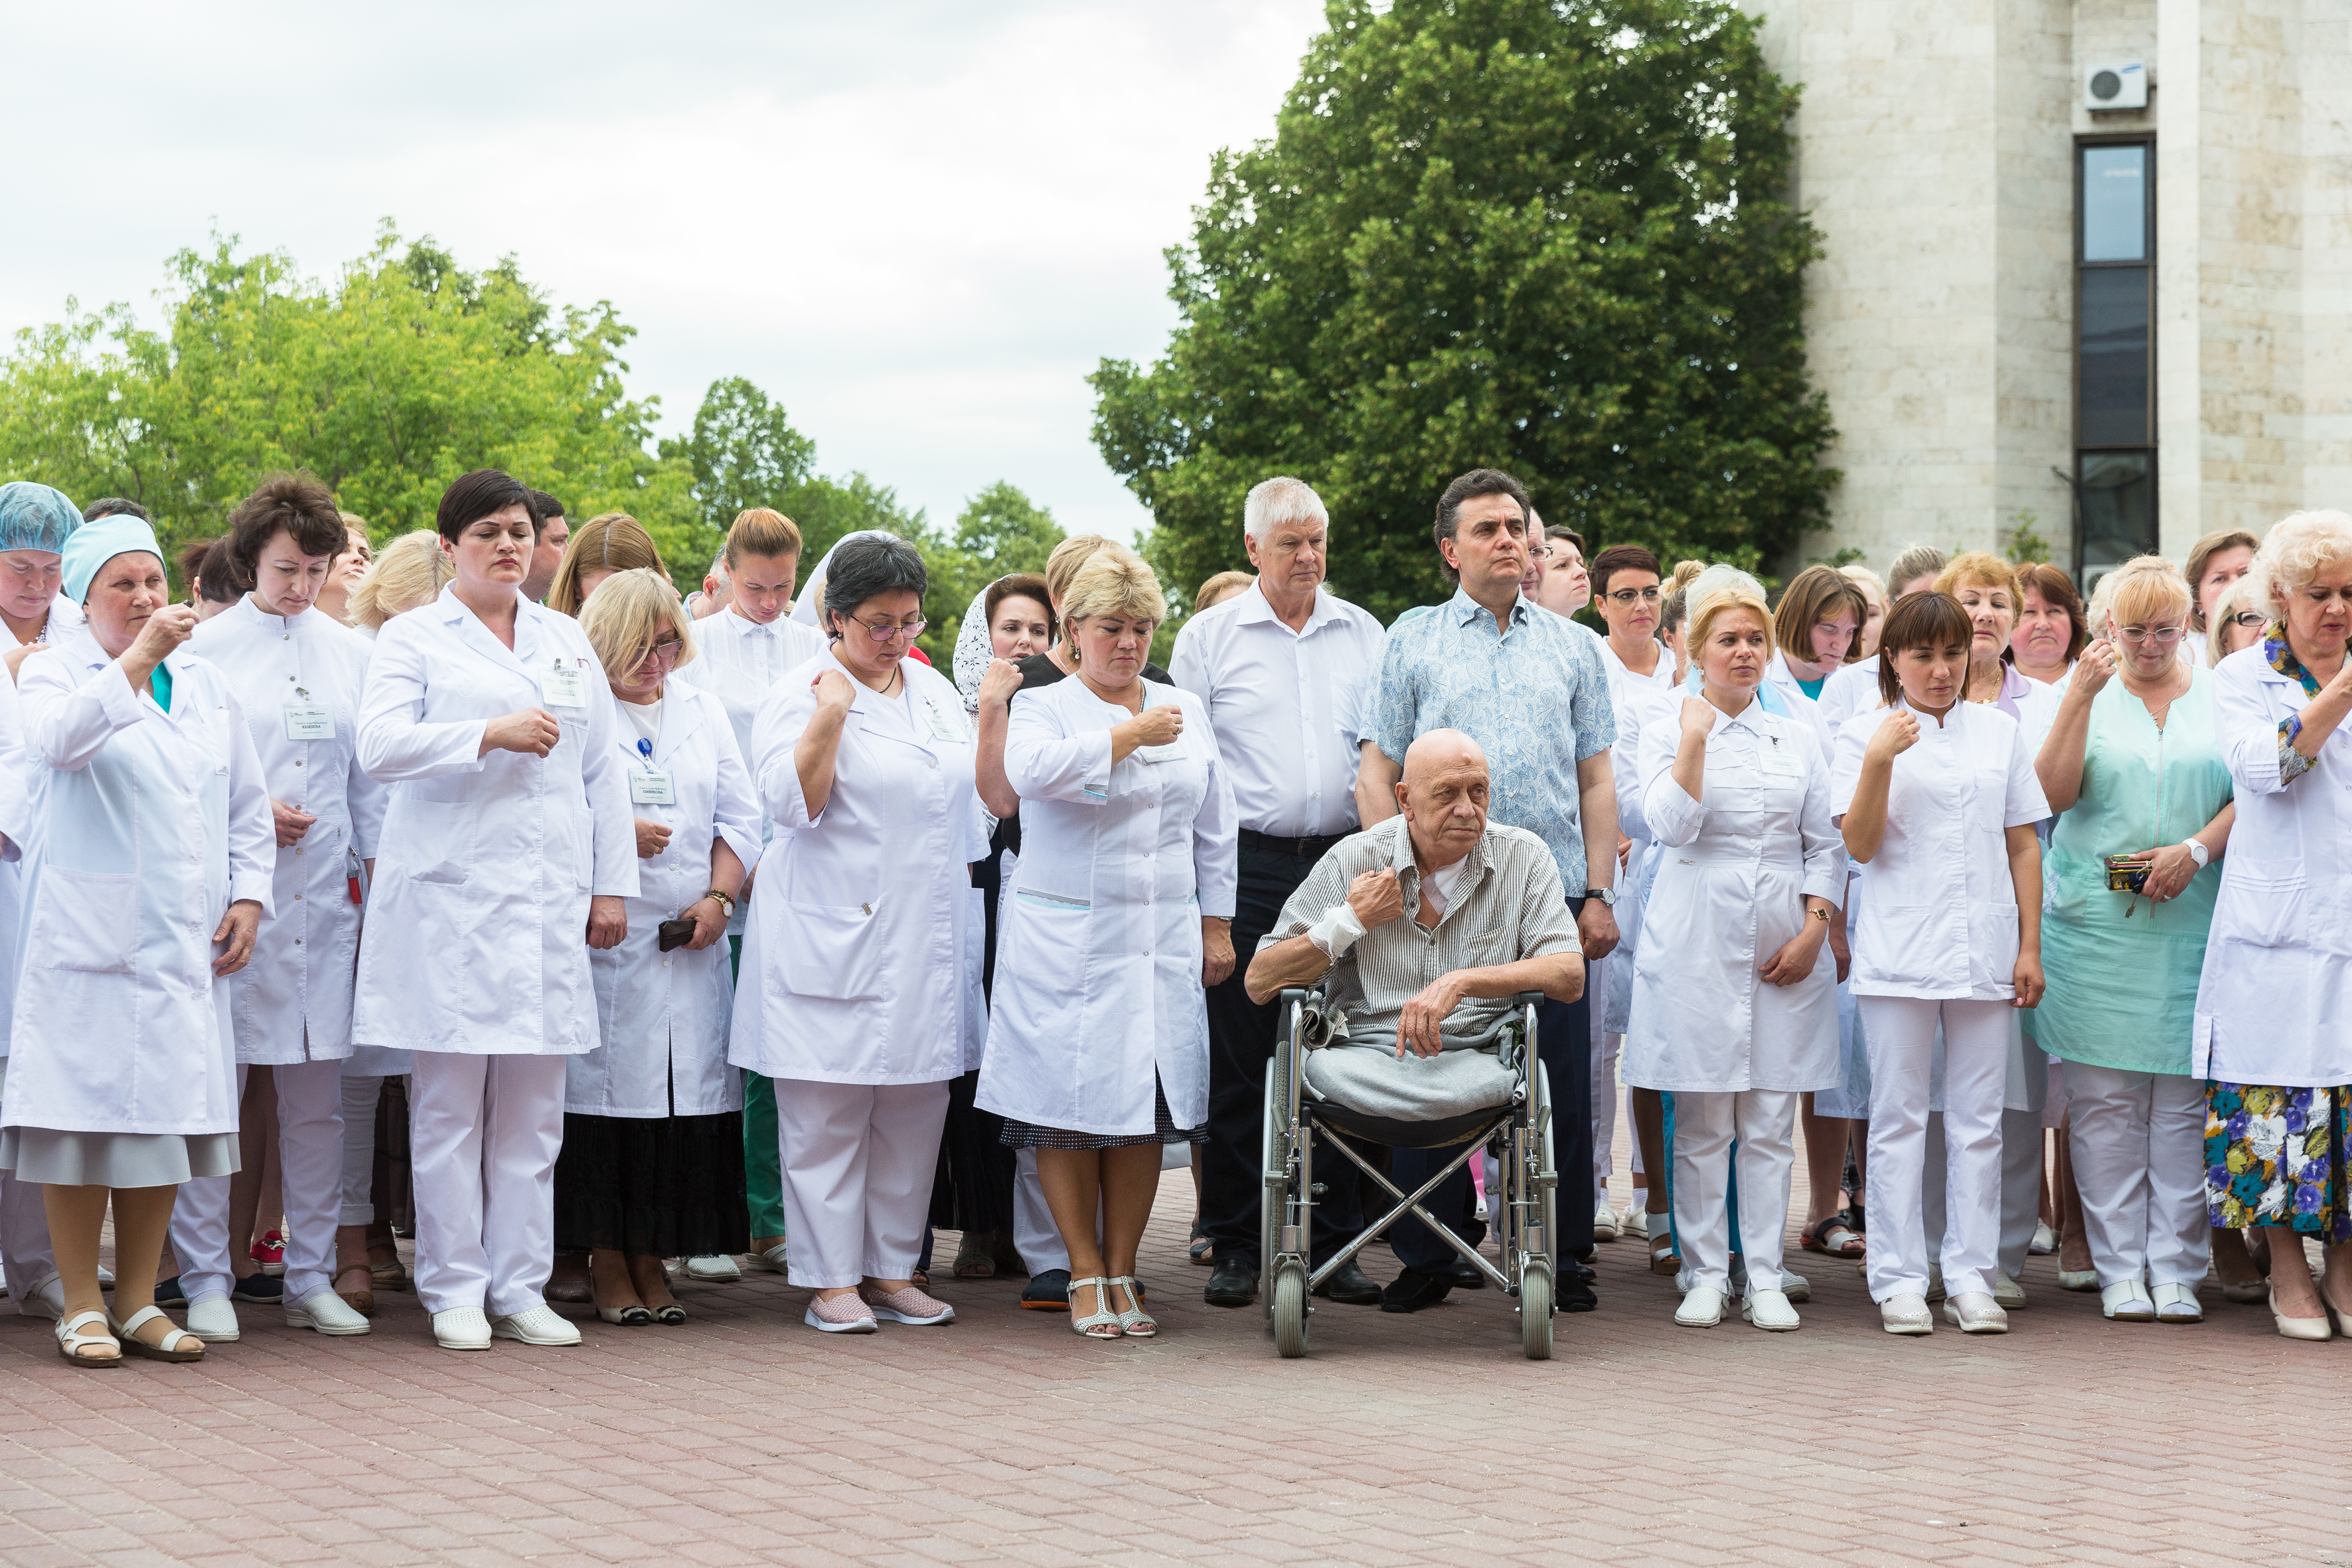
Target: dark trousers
<point x="1564" y="1045"/>
<point x="1240" y="1043"/>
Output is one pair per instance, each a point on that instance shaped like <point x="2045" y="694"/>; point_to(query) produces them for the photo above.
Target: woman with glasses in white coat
<point x="652" y="1164"/>
<point x="147" y="873"/>
<point x="1735" y="995"/>
<point x="861" y="960"/>
<point x="298" y="677"/>
<point x="508" y="852"/>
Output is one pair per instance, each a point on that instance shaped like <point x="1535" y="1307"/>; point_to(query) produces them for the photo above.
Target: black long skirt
<point x="665" y="1186"/>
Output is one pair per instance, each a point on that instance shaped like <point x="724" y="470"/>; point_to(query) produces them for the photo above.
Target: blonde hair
<point x="1715" y="592"/>
<point x="760" y="531"/>
<point x="2298" y="548"/>
<point x="1115" y="583"/>
<point x="1913" y="562"/>
<point x="630" y="610"/>
<point x="1221" y="587"/>
<point x="2144" y="588"/>
<point x="357" y="524"/>
<point x="1983" y="567"/>
<point x="1863" y="577"/>
<point x="1062" y="564"/>
<point x="610" y="542"/>
<point x="2237" y="599"/>
<point x="408" y="573"/>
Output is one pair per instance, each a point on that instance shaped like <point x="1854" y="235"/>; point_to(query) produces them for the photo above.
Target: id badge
<point x="562" y="687"/>
<point x="309" y="721"/>
<point x="944" y="728"/>
<point x="1779" y="759"/>
<point x="651" y="788"/>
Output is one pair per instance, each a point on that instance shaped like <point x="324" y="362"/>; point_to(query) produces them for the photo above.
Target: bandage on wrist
<point x="1338" y="930"/>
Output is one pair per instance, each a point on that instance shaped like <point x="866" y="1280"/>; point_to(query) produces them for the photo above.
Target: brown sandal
<point x="362" y="1299"/>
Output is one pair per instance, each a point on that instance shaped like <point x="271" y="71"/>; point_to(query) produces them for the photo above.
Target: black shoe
<point x="1571" y="1294"/>
<point x="1464" y="1275"/>
<point x="1047" y="1292"/>
<point x="1412" y="1289"/>
<point x="1583" y="1272"/>
<point x="1232" y="1282"/>
<point x="169" y="1294"/>
<point x="1350" y="1287"/>
<point x="260" y="1287"/>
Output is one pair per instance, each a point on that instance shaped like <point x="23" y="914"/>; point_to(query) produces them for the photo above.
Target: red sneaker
<point x="271" y="1252"/>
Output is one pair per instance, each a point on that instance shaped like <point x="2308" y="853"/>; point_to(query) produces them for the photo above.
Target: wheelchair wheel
<point x="1289" y="1299"/>
<point x="1535" y="1309"/>
<point x="1273" y="1156"/>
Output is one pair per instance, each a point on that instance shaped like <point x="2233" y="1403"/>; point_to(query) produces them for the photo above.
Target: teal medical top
<point x="160" y="683"/>
<point x="2123" y="972"/>
<point x="1813" y="689"/>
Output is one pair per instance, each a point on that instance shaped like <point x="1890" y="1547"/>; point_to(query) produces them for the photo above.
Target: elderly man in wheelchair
<point x="1410" y="962"/>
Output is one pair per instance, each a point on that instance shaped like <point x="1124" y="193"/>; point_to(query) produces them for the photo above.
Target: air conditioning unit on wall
<point x="2115" y="84"/>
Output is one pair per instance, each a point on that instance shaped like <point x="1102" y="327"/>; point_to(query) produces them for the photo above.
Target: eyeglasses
<point x="667" y="650"/>
<point x="2251" y="619"/>
<point x="1629" y="597"/>
<point x="886" y="630"/>
<point x="2163" y="636"/>
<point x="1540" y="552"/>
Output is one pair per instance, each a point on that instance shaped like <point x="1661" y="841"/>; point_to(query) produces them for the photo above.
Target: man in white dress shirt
<point x="1277" y="665"/>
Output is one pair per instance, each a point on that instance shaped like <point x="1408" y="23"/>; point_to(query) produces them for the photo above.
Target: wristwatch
<point x="1608" y="896"/>
<point x="726" y="899"/>
<point x="2198" y="852"/>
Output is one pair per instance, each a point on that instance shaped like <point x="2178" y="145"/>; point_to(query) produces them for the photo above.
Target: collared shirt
<point x="1507" y="905"/>
<point x="1277" y="700"/>
<point x="738" y="661"/>
<point x="1537" y="702"/>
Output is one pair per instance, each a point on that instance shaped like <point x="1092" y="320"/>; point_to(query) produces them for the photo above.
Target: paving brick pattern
<point x="744" y="1437"/>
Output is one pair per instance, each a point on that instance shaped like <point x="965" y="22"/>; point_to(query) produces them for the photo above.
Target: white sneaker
<point x="47" y="1299"/>
<point x="541" y="1325"/>
<point x="1795" y="1286"/>
<point x="328" y="1314"/>
<point x="1637" y="1222"/>
<point x="213" y="1320"/>
<point x="1934" y="1282"/>
<point x="715" y="1268"/>
<point x="1769" y="1310"/>
<point x="2178" y="1304"/>
<point x="1905" y="1315"/>
<point x="2009" y="1292"/>
<point x="2127" y="1301"/>
<point x="2044" y="1242"/>
<point x="768" y="1262"/>
<point x="461" y="1328"/>
<point x="1702" y="1309"/>
<point x="1604" y="1223"/>
<point x="1975" y="1313"/>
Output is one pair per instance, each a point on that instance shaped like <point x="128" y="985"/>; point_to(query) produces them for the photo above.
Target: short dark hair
<point x="1620" y="558"/>
<point x="542" y="507"/>
<point x="864" y="567"/>
<point x="473" y="497"/>
<point x="1561" y="531"/>
<point x="1469" y="487"/>
<point x="114" y="506"/>
<point x="1020" y="586"/>
<point x="208" y="568"/>
<point x="1919" y="620"/>
<point x="298" y="503"/>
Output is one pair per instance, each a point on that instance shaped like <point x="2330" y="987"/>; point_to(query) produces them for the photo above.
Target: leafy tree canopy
<point x="1542" y="237"/>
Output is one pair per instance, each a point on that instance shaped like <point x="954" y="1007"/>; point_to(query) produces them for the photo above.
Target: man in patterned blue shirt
<point x="1533" y="693"/>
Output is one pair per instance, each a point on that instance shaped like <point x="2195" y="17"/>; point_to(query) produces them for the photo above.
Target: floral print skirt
<point x="2277" y="1157"/>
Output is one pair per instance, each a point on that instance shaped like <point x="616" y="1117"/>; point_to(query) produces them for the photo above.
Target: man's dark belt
<point x="1313" y="848"/>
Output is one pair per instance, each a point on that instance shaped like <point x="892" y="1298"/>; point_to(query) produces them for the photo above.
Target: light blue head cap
<point x="96" y="543"/>
<point x="35" y="517"/>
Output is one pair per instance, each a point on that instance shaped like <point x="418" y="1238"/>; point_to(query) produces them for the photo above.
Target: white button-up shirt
<point x="1277" y="700"/>
<point x="738" y="661"/>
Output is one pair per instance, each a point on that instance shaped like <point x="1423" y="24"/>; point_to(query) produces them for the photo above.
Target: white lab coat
<point x="1099" y="949"/>
<point x="1734" y="870"/>
<point x="1851" y="689"/>
<point x="16" y="827"/>
<point x="65" y="617"/>
<point x="862" y="957"/>
<point x="1784" y="680"/>
<point x="1637" y="700"/>
<point x="293" y="1001"/>
<point x="149" y="827"/>
<point x="476" y="929"/>
<point x="2277" y="982"/>
<point x="664" y="1016"/>
<point x="1938" y="917"/>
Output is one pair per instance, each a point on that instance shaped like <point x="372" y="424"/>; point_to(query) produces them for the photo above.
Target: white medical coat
<point x="664" y="1016"/>
<point x="293" y="1001"/>
<point x="1784" y="680"/>
<point x="861" y="962"/>
<point x="478" y="921"/>
<point x="2277" y="982"/>
<point x="1098" y="945"/>
<point x="15" y="820"/>
<point x="149" y="824"/>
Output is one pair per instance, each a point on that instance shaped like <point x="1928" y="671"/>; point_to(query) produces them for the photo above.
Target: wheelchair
<point x="1516" y="1137"/>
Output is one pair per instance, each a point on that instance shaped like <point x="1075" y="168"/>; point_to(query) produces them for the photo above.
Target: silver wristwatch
<point x="1608" y="896"/>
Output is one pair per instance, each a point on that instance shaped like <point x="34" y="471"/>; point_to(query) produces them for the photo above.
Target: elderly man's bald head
<point x="1443" y="795"/>
<point x="1442" y="748"/>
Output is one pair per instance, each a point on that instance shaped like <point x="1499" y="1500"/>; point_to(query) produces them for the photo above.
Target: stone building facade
<point x="2121" y="327"/>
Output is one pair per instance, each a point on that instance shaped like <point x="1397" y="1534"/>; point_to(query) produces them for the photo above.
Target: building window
<point x="2115" y="355"/>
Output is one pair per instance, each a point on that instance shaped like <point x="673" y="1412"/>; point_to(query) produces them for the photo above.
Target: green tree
<point x="745" y="453"/>
<point x="1000" y="530"/>
<point x="1547" y="239"/>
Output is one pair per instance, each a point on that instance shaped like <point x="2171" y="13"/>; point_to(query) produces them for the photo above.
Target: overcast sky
<point x="918" y="225"/>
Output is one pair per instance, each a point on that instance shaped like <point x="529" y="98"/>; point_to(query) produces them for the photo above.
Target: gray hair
<point x="718" y="567"/>
<point x="1277" y="501"/>
<point x="875" y="564"/>
<point x="2296" y="550"/>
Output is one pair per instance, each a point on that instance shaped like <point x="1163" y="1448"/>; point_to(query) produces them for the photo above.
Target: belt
<point x="1312" y="848"/>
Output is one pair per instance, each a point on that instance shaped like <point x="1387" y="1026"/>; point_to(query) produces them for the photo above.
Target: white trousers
<point x="1035" y="1235"/>
<point x="2139" y="1162"/>
<point x="858" y="1162"/>
<point x="360" y="1093"/>
<point x="199" y="1229"/>
<point x="2020" y="1187"/>
<point x="1605" y="1047"/>
<point x="1764" y="1120"/>
<point x="1901" y="1032"/>
<point x="309" y="1163"/>
<point x="483" y="1136"/>
<point x="25" y="1255"/>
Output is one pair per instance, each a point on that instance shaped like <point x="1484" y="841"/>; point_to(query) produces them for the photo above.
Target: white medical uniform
<point x="298" y="681"/>
<point x="1936" y="940"/>
<point x="1735" y="1052"/>
<point x="65" y="617"/>
<point x="1634" y="699"/>
<point x="26" y="1259"/>
<point x="1099" y="952"/>
<point x="1783" y="679"/>
<point x="1851" y="688"/>
<point x="860" y="964"/>
<point x="476" y="955"/>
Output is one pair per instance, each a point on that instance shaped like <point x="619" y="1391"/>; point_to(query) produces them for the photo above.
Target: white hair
<point x="1277" y="501"/>
<point x="2298" y="548"/>
<point x="719" y="568"/>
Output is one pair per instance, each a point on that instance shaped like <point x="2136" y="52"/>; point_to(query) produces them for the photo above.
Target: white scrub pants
<point x="2139" y="1162"/>
<point x="310" y="1162"/>
<point x="25" y="1252"/>
<point x="1902" y="1036"/>
<point x="2020" y="1187"/>
<point x="1605" y="1048"/>
<point x="483" y="1136"/>
<point x="858" y="1162"/>
<point x="1764" y="1120"/>
<point x="360" y="1093"/>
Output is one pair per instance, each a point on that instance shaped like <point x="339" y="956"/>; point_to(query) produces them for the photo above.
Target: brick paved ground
<point x="745" y="1437"/>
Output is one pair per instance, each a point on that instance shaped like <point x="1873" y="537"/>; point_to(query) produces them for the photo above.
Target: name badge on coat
<point x="651" y="788"/>
<point x="944" y="728"/>
<point x="308" y="720"/>
<point x="1778" y="759"/>
<point x="563" y="686"/>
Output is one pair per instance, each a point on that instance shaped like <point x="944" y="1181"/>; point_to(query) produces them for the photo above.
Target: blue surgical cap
<point x="35" y="517"/>
<point x="96" y="543"/>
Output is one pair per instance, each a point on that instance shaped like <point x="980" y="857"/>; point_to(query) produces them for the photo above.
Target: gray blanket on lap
<point x="1373" y="1081"/>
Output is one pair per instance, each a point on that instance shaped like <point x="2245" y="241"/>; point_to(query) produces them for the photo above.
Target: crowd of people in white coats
<point x="597" y="934"/>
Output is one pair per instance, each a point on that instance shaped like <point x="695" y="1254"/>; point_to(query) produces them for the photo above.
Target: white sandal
<point x="1100" y="1319"/>
<point x="178" y="1343"/>
<point x="70" y="1341"/>
<point x="1135" y="1323"/>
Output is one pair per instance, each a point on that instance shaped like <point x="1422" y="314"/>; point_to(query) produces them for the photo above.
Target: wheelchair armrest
<point x="1531" y="999"/>
<point x="1297" y="994"/>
